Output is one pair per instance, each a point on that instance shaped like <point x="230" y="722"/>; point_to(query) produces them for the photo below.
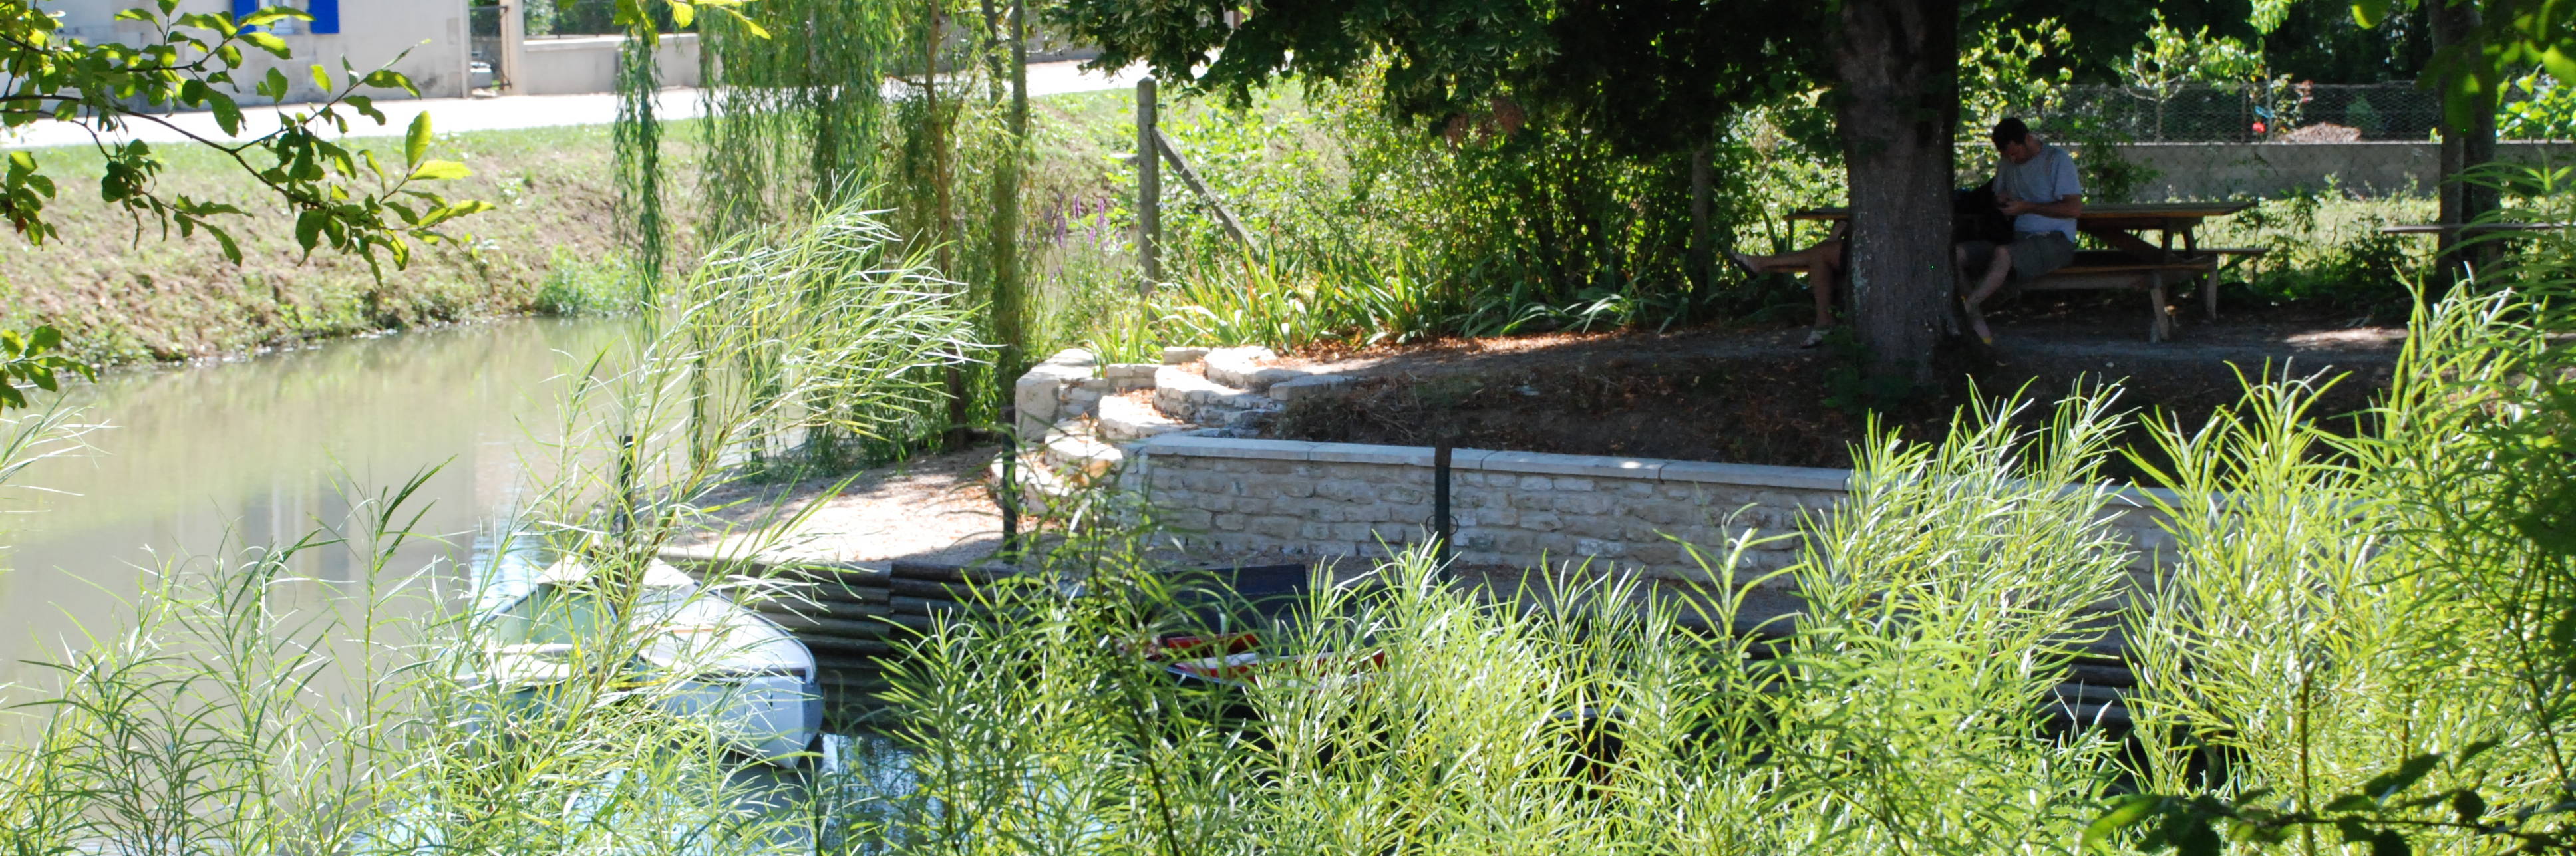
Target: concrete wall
<point x="2221" y="170"/>
<point x="1510" y="508"/>
<point x="372" y="32"/>
<point x="574" y="65"/>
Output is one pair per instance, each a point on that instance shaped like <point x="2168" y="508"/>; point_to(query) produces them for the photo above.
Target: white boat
<point x="690" y="651"/>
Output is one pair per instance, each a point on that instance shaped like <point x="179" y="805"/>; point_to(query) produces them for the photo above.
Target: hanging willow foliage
<point x="638" y="138"/>
<point x="796" y="114"/>
<point x="917" y="106"/>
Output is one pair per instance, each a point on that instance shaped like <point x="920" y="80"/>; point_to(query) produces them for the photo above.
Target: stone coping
<point x="1543" y="463"/>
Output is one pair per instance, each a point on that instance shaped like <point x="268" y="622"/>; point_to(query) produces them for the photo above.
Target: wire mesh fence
<point x="2200" y="113"/>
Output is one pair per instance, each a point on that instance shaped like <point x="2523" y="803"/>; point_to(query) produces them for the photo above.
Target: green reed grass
<point x="240" y="709"/>
<point x="2326" y="607"/>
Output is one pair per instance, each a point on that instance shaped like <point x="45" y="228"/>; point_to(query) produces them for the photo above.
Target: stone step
<point x="1242" y="368"/>
<point x="1187" y="397"/>
<point x="1080" y="457"/>
<point x="1122" y="418"/>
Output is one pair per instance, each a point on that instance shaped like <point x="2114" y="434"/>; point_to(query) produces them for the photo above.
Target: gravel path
<point x="934" y="508"/>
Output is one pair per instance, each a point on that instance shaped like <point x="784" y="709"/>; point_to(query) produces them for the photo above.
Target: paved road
<point x="494" y="114"/>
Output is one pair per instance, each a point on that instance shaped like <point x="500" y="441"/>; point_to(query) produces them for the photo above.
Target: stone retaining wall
<point x="1510" y="508"/>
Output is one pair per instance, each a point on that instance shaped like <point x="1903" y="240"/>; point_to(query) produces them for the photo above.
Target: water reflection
<point x="266" y="450"/>
<point x="204" y="461"/>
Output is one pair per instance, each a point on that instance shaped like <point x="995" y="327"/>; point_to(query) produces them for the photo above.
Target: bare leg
<point x="1996" y="270"/>
<point x="1998" y="267"/>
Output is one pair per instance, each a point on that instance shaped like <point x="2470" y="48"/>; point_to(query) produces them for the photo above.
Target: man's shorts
<point x="2034" y="254"/>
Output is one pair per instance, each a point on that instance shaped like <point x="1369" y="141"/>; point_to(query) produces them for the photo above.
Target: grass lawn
<point x="123" y="292"/>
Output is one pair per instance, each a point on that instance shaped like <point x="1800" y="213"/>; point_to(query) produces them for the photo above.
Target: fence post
<point x="1149" y="187"/>
<point x="1701" y="254"/>
<point x="1442" y="527"/>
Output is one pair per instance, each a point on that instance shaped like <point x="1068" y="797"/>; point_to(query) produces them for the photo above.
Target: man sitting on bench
<point x="1823" y="263"/>
<point x="2037" y="186"/>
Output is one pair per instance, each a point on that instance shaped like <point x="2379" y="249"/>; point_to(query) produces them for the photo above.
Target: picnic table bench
<point x="2133" y="262"/>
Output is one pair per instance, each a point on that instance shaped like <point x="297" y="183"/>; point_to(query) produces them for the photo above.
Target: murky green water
<point x="265" y="450"/>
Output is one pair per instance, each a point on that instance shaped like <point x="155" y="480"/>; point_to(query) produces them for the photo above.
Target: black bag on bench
<point x="1975" y="215"/>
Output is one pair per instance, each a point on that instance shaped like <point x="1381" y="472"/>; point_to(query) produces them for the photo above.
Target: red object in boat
<point x="1251" y="668"/>
<point x="1185" y="645"/>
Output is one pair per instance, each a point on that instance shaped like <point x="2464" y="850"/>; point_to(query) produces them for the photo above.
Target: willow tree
<point x="816" y="103"/>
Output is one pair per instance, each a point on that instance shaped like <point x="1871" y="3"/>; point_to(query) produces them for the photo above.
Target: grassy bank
<point x="1354" y="216"/>
<point x="122" y="292"/>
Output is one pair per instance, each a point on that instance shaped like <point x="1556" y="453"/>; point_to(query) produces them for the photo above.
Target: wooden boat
<point x="690" y="651"/>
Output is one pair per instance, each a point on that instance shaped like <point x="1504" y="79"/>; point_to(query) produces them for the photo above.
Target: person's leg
<point x="1799" y="259"/>
<point x="1998" y="267"/>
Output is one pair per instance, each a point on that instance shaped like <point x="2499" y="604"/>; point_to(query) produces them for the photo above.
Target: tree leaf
<point x="2125" y="812"/>
<point x="269" y="42"/>
<point x="227" y="114"/>
<point x="441" y="170"/>
<point x="2368" y="13"/>
<point x="308" y="228"/>
<point x="273" y="14"/>
<point x="757" y="31"/>
<point x="416" y="143"/>
<point x="44" y="338"/>
<point x="232" y="251"/>
<point x="322" y="77"/>
<point x="366" y="107"/>
<point x="682" y="13"/>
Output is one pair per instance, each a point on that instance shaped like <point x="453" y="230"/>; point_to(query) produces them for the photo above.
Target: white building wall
<point x="372" y="33"/>
<point x="574" y="65"/>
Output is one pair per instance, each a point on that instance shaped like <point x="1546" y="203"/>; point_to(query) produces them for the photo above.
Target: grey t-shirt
<point x="2047" y="177"/>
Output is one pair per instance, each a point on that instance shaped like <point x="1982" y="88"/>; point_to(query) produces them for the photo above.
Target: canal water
<point x="196" y="462"/>
<point x="200" y="464"/>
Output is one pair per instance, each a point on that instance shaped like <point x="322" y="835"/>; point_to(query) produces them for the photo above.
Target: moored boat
<point x="689" y="651"/>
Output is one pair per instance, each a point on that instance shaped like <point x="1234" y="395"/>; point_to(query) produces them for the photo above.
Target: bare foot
<point x="1977" y="322"/>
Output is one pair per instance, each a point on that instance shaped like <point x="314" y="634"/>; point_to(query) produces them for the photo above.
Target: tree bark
<point x="2464" y="148"/>
<point x="1009" y="289"/>
<point x="1897" y="62"/>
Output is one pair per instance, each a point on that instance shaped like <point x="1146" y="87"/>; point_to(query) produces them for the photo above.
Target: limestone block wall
<point x="1510" y="508"/>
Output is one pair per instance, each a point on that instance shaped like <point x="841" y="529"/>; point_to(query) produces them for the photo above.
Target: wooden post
<point x="1701" y="254"/>
<point x="514" y="37"/>
<point x="1149" y="188"/>
<point x="1190" y="178"/>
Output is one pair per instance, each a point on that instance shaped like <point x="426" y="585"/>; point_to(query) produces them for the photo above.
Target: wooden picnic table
<point x="2118" y="224"/>
<point x="2134" y="261"/>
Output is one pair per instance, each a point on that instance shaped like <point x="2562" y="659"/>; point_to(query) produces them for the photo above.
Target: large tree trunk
<point x="1898" y="63"/>
<point x="2463" y="148"/>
